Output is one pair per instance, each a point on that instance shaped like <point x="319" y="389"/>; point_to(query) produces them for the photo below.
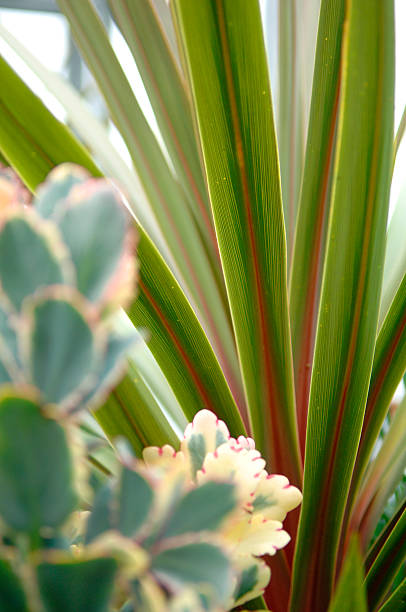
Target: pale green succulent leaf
<point x="31" y="257"/>
<point x="60" y="345"/>
<point x="135" y="501"/>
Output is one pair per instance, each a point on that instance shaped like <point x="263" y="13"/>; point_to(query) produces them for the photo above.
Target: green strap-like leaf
<point x="161" y="186"/>
<point x="377" y="546"/>
<point x="347" y="324"/>
<point x="387" y="563"/>
<point x="350" y="593"/>
<point x="290" y="116"/>
<point x="133" y="412"/>
<point x="314" y="206"/>
<point x="177" y="339"/>
<point x="234" y="112"/>
<point x="46" y="142"/>
<point x="388" y="368"/>
<point x="142" y="30"/>
<point x="399" y="135"/>
<point x="381" y="477"/>
<point x="395" y="256"/>
<point x="397" y="600"/>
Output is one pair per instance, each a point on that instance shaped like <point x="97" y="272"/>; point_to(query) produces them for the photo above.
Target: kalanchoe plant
<point x="264" y="286"/>
<point x="61" y="280"/>
<point x="199" y="517"/>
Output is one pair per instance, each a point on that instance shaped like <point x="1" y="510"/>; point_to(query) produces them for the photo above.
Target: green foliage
<point x="35" y="467"/>
<point x="12" y="597"/>
<point x="260" y="297"/>
<point x="351" y="592"/>
<point x="77" y="586"/>
<point x="61" y="352"/>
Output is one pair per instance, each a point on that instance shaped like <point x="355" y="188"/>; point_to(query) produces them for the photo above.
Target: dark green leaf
<point x="350" y="593"/>
<point x="388" y="368"/>
<point x="387" y="562"/>
<point x="178" y="342"/>
<point x="315" y="200"/>
<point x="77" y="586"/>
<point x="35" y="467"/>
<point x="396" y="602"/>
<point x="12" y="597"/>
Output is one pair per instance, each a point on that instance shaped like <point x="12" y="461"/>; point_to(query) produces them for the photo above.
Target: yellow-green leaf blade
<point x="388" y="559"/>
<point x="314" y="205"/>
<point x="234" y="111"/>
<point x="171" y="207"/>
<point x="41" y="148"/>
<point x="141" y="28"/>
<point x="388" y="368"/>
<point x="350" y="593"/>
<point x="345" y="339"/>
<point x="178" y="342"/>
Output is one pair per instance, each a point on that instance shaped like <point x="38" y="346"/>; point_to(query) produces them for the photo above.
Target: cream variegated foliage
<point x="208" y="452"/>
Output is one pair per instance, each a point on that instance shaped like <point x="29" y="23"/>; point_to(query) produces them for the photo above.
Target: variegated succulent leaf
<point x="53" y="192"/>
<point x="36" y="466"/>
<point x="32" y="255"/>
<point x="65" y="264"/>
<point x="59" y="344"/>
<point x="208" y="453"/>
<point x="95" y="227"/>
